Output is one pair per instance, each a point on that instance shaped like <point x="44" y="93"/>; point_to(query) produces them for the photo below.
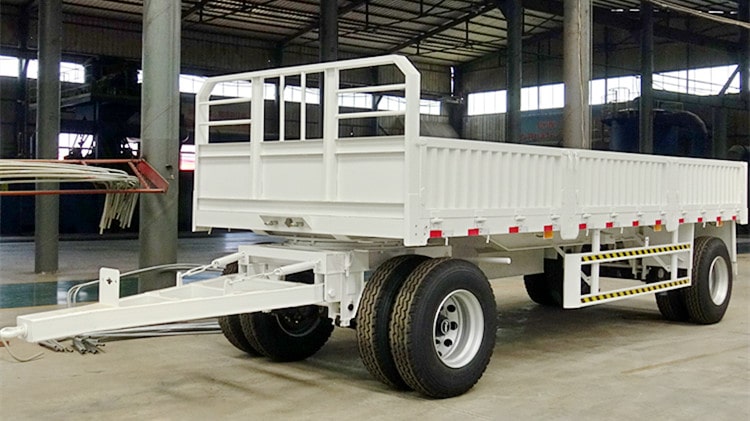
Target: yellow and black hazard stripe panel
<point x="636" y="291"/>
<point x="634" y="253"/>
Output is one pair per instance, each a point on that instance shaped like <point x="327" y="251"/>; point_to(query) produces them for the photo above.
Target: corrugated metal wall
<point x="211" y="52"/>
<point x="205" y="53"/>
<point x="543" y="61"/>
<point x="485" y="127"/>
<point x="543" y="65"/>
<point x="436" y="80"/>
<point x="7" y="117"/>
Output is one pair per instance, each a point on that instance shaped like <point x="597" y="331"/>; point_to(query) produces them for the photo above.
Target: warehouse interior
<point x="111" y="79"/>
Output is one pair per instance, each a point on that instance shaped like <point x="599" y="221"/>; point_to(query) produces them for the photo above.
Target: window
<point x="617" y="89"/>
<point x="190" y="84"/>
<point x="428" y="106"/>
<point x="69" y="72"/>
<point x="392" y="103"/>
<point x="81" y="146"/>
<point x="243" y="89"/>
<point x="530" y="98"/>
<point x="74" y="145"/>
<point x="671" y="81"/>
<point x="551" y="96"/>
<point x="492" y="102"/>
<point x="700" y="81"/>
<point x="397" y="103"/>
<point x="355" y="100"/>
<point x="294" y="94"/>
<point x="234" y="89"/>
<point x="8" y="66"/>
<point x="72" y="73"/>
<point x="623" y="89"/>
<point x="597" y="92"/>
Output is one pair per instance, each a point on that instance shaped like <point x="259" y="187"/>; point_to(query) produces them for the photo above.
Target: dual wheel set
<point x="704" y="302"/>
<point x="707" y="299"/>
<point x="423" y="324"/>
<point x="429" y="324"/>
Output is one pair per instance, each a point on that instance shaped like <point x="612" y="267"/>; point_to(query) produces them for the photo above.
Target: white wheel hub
<point x="458" y="328"/>
<point x="718" y="280"/>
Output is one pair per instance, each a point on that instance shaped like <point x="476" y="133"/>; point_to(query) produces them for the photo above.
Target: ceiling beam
<point x="605" y="17"/>
<point x="354" y="4"/>
<point x="29" y="4"/>
<point x="195" y="9"/>
<point x="245" y="7"/>
<point x="477" y="11"/>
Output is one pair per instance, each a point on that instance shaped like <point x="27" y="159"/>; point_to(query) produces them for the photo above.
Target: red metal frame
<point x="150" y="180"/>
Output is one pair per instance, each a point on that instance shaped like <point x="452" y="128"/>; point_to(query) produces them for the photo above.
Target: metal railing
<point x="328" y="73"/>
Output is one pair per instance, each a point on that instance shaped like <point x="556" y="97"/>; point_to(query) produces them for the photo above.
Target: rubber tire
<point x="266" y="334"/>
<point x="231" y="326"/>
<point x="547" y="288"/>
<point x="700" y="305"/>
<point x="412" y="327"/>
<point x="374" y="316"/>
<point x="538" y="289"/>
<point x="671" y="303"/>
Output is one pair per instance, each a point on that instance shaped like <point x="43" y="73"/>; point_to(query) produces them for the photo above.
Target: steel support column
<point x="160" y="131"/>
<point x="328" y="38"/>
<point x="21" y="148"/>
<point x="513" y="11"/>
<point x="719" y="132"/>
<point x="47" y="210"/>
<point x="457" y="109"/>
<point x="576" y="73"/>
<point x="646" y="103"/>
<point x="328" y="35"/>
<point x="744" y="15"/>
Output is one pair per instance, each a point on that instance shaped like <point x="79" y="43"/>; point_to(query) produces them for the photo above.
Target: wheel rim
<point x="298" y="321"/>
<point x="458" y="328"/>
<point x="718" y="280"/>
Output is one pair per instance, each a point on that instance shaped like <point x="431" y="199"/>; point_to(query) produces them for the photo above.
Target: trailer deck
<point x="413" y="188"/>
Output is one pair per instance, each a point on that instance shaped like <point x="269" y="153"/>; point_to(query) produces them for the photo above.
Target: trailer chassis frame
<point x="259" y="285"/>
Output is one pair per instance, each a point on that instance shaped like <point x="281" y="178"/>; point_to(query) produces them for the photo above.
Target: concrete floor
<point x="615" y="361"/>
<point x="81" y="259"/>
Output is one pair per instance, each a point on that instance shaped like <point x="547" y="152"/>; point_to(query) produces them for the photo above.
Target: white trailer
<point x="398" y="235"/>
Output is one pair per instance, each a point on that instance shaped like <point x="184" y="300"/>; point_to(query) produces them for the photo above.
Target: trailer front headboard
<point x="279" y="157"/>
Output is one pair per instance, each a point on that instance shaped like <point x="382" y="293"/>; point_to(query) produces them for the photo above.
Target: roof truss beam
<point x="605" y="17"/>
<point x="478" y="11"/>
<point x="354" y="4"/>
<point x="195" y="9"/>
